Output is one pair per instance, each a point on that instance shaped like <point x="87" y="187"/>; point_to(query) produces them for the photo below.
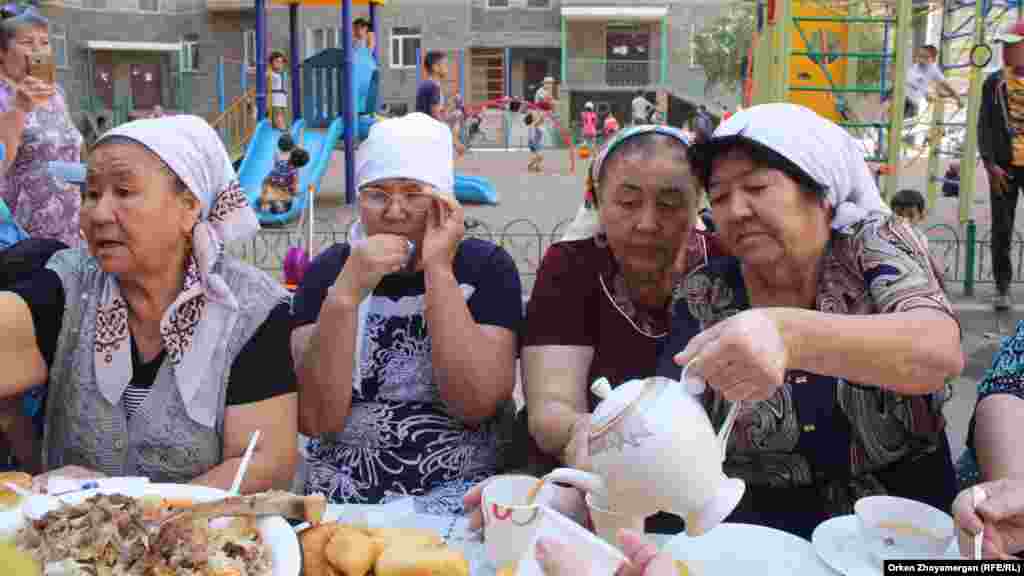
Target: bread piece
<point x="403" y="560"/>
<point x="9" y="498"/>
<point x="509" y="570"/>
<point x="314" y="541"/>
<point x="412" y="537"/>
<point x="351" y="551"/>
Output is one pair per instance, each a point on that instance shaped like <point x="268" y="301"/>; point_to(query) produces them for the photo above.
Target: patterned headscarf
<point x="205" y="311"/>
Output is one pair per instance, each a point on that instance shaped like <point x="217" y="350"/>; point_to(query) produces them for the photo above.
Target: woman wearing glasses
<point x="406" y="338"/>
<point x="34" y="121"/>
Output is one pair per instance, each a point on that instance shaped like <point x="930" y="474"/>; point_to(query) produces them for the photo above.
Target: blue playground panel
<point x="475" y="190"/>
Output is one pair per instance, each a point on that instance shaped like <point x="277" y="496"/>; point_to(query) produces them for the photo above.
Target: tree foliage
<point x="721" y="47"/>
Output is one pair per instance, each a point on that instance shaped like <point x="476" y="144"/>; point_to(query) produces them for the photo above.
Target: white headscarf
<point x="205" y="311"/>
<point x="822" y="149"/>
<point x="415" y="147"/>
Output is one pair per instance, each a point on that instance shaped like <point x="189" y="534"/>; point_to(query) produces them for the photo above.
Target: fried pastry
<point x="404" y="560"/>
<point x="314" y="542"/>
<point x="408" y="537"/>
<point x="351" y="551"/>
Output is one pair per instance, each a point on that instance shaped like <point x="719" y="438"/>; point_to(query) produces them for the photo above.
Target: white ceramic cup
<point x="603" y="560"/>
<point x="508" y="519"/>
<point x="607" y="523"/>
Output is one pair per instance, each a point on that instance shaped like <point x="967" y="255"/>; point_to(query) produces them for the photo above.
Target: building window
<point x="249" y="48"/>
<point x="191" y="63"/>
<point x="537" y="4"/>
<point x="59" y="45"/>
<point x="405" y="42"/>
<point x="95" y="4"/>
<point x="498" y="4"/>
<point x="149" y="5"/>
<point x="320" y="39"/>
<point x="693" y="45"/>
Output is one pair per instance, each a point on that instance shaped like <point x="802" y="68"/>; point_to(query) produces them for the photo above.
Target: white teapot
<point x="653" y="449"/>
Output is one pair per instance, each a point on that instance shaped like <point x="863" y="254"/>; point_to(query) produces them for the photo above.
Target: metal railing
<point x="237" y="124"/>
<point x="614" y="73"/>
<point x="526" y="242"/>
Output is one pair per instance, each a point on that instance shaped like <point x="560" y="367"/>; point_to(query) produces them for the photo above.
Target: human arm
<point x="326" y="321"/>
<point x="473" y="344"/>
<point x="558" y="349"/>
<point x="19" y="352"/>
<point x="909" y="346"/>
<point x="260" y="396"/>
<point x="998" y="426"/>
<point x="15" y="108"/>
<point x="1000" y="506"/>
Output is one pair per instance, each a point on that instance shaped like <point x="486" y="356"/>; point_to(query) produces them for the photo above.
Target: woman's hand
<point x="1002" y="512"/>
<point x="568" y="501"/>
<point x="370" y="261"/>
<point x="73" y="472"/>
<point x="558" y="559"/>
<point x="32" y="92"/>
<point x="445" y="228"/>
<point x="743" y="357"/>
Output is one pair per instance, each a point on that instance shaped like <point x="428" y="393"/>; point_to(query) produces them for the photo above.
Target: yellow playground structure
<point x="807" y="52"/>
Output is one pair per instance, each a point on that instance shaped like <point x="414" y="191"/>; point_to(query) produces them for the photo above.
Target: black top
<point x="262" y="370"/>
<point x="428" y="95"/>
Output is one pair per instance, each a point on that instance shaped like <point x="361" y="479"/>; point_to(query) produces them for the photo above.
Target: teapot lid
<point x="614" y="402"/>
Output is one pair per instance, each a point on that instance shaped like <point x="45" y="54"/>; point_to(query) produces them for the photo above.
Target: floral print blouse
<point x="43" y="206"/>
<point x="839" y="438"/>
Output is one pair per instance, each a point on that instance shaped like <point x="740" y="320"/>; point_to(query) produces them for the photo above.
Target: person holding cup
<point x="997" y="508"/>
<point x="35" y="128"/>
<point x="407" y="334"/>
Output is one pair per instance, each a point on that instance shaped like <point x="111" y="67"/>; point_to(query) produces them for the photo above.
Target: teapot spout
<point x="585" y="481"/>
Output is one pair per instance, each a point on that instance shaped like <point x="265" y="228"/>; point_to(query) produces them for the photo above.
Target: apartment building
<point x="143" y="53"/>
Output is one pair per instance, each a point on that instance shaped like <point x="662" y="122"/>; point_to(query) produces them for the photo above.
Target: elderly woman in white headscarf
<point x="829" y="324"/>
<point x="407" y="333"/>
<point x="161" y="354"/>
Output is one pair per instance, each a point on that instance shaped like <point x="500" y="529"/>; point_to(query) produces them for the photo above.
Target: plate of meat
<point x="171" y="530"/>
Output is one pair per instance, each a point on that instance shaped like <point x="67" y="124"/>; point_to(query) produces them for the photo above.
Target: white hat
<point x="414" y="146"/>
<point x="589" y="105"/>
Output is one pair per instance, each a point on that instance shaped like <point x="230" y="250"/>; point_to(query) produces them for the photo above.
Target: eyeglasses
<point x="414" y="203"/>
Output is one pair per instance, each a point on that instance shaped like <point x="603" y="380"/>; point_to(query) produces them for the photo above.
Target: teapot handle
<point x="726" y="429"/>
<point x="585" y="481"/>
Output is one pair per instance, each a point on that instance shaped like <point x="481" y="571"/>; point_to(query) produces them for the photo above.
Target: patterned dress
<point x="1006" y="376"/>
<point x="42" y="205"/>
<point x="820" y="443"/>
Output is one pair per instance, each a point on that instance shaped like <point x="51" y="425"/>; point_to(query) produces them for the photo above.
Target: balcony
<point x="602" y="73"/>
<point x="230" y="5"/>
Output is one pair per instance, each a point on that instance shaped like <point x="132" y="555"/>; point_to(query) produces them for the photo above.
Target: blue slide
<point x="475" y="190"/>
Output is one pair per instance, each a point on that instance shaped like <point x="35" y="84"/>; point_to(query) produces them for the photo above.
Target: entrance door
<point x="103" y="84"/>
<point x="146" y="88"/>
<point x="533" y="78"/>
<point x="628" y="53"/>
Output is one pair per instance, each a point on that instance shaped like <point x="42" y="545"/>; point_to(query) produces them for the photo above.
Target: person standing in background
<point x="429" y="95"/>
<point x="278" y="93"/>
<point x="588" y="119"/>
<point x="1001" y="147"/>
<point x="362" y="36"/>
<point x="641" y="109"/>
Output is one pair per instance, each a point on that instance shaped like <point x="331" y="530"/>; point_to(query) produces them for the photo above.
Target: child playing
<point x="279" y="187"/>
<point x="909" y="204"/>
<point x="535" y="121"/>
<point x="589" y="120"/>
<point x="278" y="93"/>
<point x="611" y="126"/>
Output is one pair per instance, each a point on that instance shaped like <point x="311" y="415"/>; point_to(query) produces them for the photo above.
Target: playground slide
<point x="259" y="158"/>
<point x="475" y="190"/>
<point x="318" y="143"/>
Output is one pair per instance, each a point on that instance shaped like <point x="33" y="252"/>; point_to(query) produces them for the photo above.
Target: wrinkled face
<point x="764" y="217"/>
<point x="27" y="40"/>
<point x="134" y="212"/>
<point x="647" y="204"/>
<point x="395" y="206"/>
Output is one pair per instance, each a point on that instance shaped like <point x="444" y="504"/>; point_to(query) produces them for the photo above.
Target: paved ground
<point x="550" y="198"/>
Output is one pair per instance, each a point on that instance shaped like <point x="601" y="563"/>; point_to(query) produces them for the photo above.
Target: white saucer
<point x="838" y="543"/>
<point x="747" y="549"/>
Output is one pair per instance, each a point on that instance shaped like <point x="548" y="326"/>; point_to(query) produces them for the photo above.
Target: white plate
<point x="839" y="544"/>
<point x="285" y="556"/>
<point x="747" y="549"/>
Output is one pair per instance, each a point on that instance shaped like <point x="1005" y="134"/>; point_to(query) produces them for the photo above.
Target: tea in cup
<point x="607" y="523"/>
<point x="511" y="507"/>
<point x="903" y="529"/>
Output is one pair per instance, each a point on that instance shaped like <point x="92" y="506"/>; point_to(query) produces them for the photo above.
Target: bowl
<point x="903" y="529"/>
